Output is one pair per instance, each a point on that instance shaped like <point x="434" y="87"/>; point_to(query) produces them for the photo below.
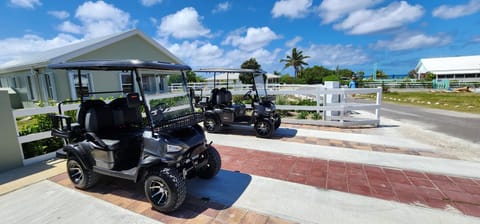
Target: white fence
<point x="333" y="113"/>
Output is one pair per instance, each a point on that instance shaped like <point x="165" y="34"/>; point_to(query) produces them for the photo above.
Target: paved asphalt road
<point x="465" y="126"/>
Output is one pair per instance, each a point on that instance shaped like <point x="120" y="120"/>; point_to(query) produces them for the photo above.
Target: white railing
<point x="333" y="113"/>
<point x="40" y="135"/>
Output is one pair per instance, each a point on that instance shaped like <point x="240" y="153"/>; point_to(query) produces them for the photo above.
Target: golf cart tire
<point x="81" y="177"/>
<point x="278" y="121"/>
<point x="211" y="124"/>
<point x="213" y="166"/>
<point x="264" y="128"/>
<point x="168" y="180"/>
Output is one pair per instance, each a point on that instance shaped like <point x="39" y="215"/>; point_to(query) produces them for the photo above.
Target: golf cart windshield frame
<point x="255" y="72"/>
<point x="131" y="66"/>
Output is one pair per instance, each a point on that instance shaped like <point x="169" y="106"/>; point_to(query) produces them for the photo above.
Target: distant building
<point x="30" y="78"/>
<point x="233" y="79"/>
<point x="464" y="68"/>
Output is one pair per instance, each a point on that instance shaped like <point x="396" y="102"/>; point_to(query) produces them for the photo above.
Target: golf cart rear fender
<point x="81" y="151"/>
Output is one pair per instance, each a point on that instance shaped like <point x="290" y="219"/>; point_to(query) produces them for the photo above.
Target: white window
<point x="12" y="82"/>
<point x="126" y="82"/>
<point x="48" y="86"/>
<point x="148" y="84"/>
<point x="31" y="88"/>
<point x="76" y="89"/>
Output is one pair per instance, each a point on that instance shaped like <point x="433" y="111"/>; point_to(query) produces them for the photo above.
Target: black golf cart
<point x="220" y="110"/>
<point x="124" y="138"/>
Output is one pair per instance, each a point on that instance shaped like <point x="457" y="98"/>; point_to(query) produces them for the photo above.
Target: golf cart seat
<point x="112" y="133"/>
<point x="213" y="98"/>
<point x="226" y="97"/>
<point x="126" y="113"/>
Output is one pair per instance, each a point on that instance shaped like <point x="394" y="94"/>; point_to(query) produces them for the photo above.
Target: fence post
<point x="379" y="102"/>
<point x="332" y="98"/>
<point x="11" y="155"/>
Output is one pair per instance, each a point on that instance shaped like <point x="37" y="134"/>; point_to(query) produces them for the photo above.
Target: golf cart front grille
<point x="180" y="122"/>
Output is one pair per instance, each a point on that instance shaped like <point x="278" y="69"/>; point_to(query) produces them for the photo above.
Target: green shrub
<point x="316" y="116"/>
<point x="41" y="123"/>
<point x="306" y="102"/>
<point x="41" y="147"/>
<point x="302" y="115"/>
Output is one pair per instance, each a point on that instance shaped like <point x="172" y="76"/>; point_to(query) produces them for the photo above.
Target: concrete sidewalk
<point x="254" y="191"/>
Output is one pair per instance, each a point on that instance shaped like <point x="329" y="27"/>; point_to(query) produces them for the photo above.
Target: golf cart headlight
<point x="173" y="148"/>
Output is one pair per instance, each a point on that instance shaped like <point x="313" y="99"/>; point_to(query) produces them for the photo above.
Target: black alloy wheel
<point x="165" y="189"/>
<point x="264" y="128"/>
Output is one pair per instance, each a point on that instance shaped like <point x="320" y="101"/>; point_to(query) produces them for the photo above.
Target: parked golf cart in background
<point x="161" y="148"/>
<point x="220" y="110"/>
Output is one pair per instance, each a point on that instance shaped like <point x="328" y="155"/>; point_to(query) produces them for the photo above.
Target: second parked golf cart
<point x="160" y="148"/>
<point x="220" y="110"/>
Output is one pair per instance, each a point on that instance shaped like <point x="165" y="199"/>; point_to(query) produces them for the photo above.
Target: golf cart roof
<point x="118" y="65"/>
<point x="230" y="70"/>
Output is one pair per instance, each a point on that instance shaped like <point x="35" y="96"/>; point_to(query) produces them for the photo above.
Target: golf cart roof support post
<point x="147" y="109"/>
<point x="185" y="86"/>
<point x="79" y="75"/>
<point x="227" y="80"/>
<point x="133" y="78"/>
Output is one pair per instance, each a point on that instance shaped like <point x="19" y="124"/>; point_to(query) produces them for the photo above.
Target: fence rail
<point x="334" y="112"/>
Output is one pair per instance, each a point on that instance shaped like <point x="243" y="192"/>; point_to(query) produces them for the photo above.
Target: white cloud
<point x="101" y="19"/>
<point x="202" y="54"/>
<point x="333" y="55"/>
<point x="291" y="8"/>
<point x="59" y="14"/>
<point x="455" y="11"/>
<point x="222" y="7"/>
<point x="254" y="38"/>
<point x="267" y="59"/>
<point x="29" y="4"/>
<point x="12" y="47"/>
<point x="293" y="42"/>
<point x="199" y="54"/>
<point x="69" y="27"/>
<point x="183" y="24"/>
<point x="476" y="39"/>
<point x="149" y="3"/>
<point x="332" y="10"/>
<point x="392" y="16"/>
<point x="413" y="41"/>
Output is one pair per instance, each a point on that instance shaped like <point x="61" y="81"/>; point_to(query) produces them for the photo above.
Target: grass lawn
<point x="462" y="102"/>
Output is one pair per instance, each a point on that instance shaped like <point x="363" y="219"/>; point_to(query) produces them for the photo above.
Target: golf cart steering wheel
<point x="161" y="107"/>
<point x="247" y="95"/>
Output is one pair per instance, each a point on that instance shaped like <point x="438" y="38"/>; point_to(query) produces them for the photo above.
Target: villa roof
<point x="65" y="53"/>
<point x="449" y="65"/>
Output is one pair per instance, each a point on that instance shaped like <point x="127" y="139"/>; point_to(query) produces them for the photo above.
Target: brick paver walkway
<point x="432" y="190"/>
<point x="416" y="188"/>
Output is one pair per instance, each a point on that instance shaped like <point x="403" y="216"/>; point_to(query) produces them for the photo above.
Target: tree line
<point x="309" y="75"/>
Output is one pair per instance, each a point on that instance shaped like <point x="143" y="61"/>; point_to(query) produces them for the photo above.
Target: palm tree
<point x="295" y="60"/>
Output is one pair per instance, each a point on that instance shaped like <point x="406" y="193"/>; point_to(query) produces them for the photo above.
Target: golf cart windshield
<point x="172" y="101"/>
<point x="259" y="79"/>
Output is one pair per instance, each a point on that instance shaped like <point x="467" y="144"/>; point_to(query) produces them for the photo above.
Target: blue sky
<point x="393" y="35"/>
